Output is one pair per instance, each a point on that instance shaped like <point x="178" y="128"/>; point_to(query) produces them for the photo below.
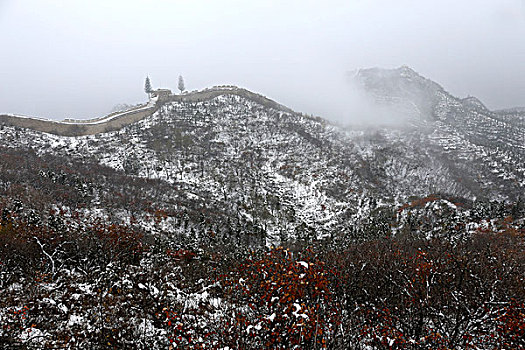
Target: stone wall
<point x="94" y="126"/>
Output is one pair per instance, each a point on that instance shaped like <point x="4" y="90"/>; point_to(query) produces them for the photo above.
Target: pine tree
<point x="181" y="84"/>
<point x="147" y="86"/>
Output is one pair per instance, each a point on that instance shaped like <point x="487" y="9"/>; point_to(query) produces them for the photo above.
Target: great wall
<point x="118" y="120"/>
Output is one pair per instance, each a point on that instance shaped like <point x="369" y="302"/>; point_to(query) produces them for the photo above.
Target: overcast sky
<point x="80" y="58"/>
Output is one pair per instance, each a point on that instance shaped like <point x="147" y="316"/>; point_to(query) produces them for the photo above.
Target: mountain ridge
<point x="254" y="163"/>
<point x="116" y="120"/>
<point x="387" y="86"/>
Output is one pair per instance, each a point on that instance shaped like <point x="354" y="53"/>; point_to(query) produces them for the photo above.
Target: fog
<point x="61" y="59"/>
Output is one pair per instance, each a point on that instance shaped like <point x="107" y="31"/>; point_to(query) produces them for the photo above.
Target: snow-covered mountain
<point x="234" y="159"/>
<point x="150" y="227"/>
<point x="484" y="151"/>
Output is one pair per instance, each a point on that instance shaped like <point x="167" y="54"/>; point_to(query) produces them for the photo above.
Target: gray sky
<point x="80" y="58"/>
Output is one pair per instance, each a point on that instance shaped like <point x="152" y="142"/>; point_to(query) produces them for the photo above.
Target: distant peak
<point x="382" y="74"/>
<point x="401" y="69"/>
<point x="401" y="87"/>
<point x="473" y="101"/>
<point x="394" y="79"/>
<point x="406" y="69"/>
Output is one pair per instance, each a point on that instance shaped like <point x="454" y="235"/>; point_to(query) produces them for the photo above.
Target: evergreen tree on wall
<point x="147" y="86"/>
<point x="181" y="84"/>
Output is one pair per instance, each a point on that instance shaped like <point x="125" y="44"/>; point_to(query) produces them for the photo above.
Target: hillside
<point x="154" y="227"/>
<point x="246" y="158"/>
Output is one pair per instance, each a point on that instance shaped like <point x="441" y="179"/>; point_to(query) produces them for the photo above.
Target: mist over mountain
<point x="74" y="60"/>
<point x="172" y="208"/>
<point x="228" y="147"/>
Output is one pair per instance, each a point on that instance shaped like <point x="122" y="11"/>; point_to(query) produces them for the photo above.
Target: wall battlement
<point x="116" y="121"/>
